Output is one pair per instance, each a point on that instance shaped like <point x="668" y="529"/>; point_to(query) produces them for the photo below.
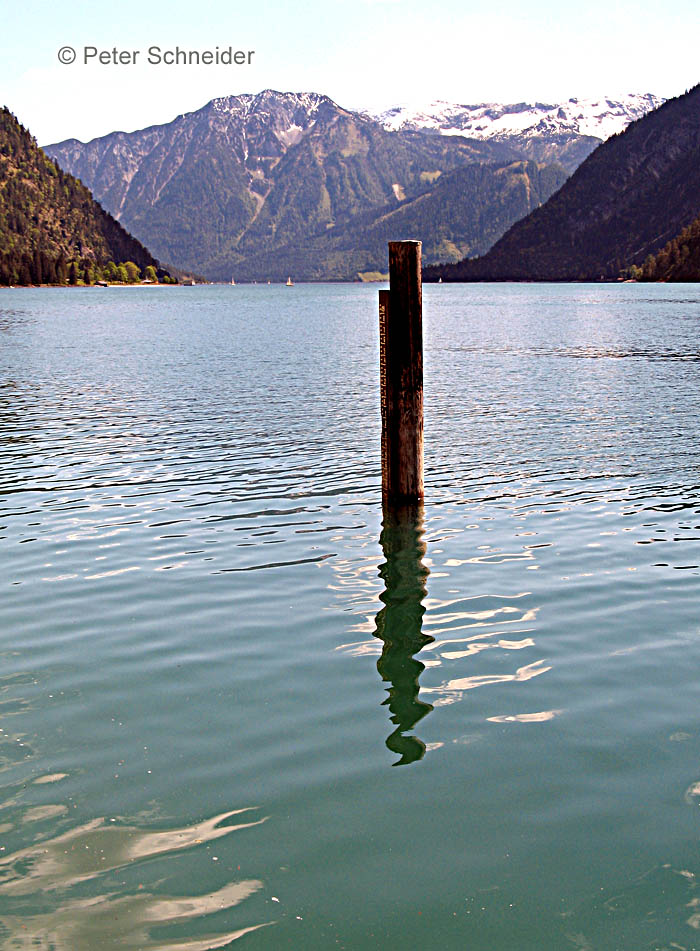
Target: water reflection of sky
<point x="52" y="874"/>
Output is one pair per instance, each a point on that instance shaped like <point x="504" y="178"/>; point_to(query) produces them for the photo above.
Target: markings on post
<point x="382" y="356"/>
<point x="383" y="316"/>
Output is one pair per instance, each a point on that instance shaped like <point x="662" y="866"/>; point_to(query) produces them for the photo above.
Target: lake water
<point x="231" y="707"/>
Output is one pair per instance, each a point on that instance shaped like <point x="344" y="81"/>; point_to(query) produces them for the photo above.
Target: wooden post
<point x="401" y="375"/>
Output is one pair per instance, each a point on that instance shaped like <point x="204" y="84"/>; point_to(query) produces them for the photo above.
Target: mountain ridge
<point x="599" y="118"/>
<point x="566" y="132"/>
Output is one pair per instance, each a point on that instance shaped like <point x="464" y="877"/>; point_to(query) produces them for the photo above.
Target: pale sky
<point x="362" y="53"/>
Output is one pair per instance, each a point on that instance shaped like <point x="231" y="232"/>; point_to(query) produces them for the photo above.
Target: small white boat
<point x="290" y="282"/>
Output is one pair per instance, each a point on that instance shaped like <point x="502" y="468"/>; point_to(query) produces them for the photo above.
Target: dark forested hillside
<point x="631" y="196"/>
<point x="51" y="229"/>
<point x="678" y="261"/>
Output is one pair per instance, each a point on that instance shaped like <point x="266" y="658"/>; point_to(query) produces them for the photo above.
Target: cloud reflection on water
<point x="110" y="919"/>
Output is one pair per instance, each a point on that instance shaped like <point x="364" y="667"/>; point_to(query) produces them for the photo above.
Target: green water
<point x="235" y="707"/>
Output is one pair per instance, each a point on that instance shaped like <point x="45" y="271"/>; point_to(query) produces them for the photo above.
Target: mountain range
<point x="635" y="193"/>
<point x="566" y="132"/>
<point x="261" y="186"/>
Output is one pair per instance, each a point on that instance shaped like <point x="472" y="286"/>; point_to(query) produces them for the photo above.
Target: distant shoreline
<point x="82" y="287"/>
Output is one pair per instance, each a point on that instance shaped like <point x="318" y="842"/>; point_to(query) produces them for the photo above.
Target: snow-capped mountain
<point x="252" y="130"/>
<point x="599" y="118"/>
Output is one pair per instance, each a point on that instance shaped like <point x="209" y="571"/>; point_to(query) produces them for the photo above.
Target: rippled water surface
<point x="235" y="707"/>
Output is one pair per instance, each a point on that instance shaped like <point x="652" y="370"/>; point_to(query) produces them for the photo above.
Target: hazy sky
<point x="362" y="53"/>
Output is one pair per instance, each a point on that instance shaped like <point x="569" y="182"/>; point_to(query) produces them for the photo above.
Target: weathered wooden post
<point x="401" y="375"/>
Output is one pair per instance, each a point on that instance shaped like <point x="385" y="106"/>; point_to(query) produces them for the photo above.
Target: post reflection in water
<point x="399" y="625"/>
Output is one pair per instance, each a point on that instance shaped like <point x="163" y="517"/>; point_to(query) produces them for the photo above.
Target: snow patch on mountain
<point x="595" y="117"/>
<point x="287" y="116"/>
<point x="246" y="103"/>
